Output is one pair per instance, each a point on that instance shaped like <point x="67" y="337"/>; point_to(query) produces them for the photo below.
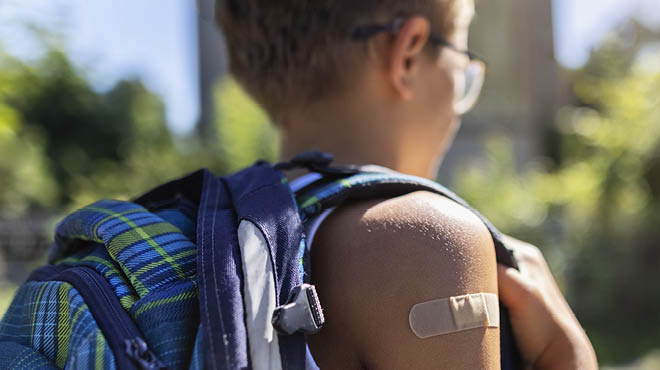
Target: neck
<point x="358" y="140"/>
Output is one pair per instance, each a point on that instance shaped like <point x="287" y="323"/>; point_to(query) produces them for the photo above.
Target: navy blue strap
<point x="219" y="278"/>
<point x="367" y="185"/>
<point x="261" y="195"/>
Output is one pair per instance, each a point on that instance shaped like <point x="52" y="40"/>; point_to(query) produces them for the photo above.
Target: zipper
<point x="138" y="350"/>
<point x="118" y="328"/>
<point x="135" y="347"/>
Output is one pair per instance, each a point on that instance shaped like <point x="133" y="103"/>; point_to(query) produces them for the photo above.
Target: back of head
<point x="291" y="53"/>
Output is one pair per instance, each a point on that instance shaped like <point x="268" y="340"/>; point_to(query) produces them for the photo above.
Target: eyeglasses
<point x="467" y="83"/>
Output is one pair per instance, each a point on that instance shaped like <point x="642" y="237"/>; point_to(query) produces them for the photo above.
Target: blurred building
<point x="212" y="63"/>
<point x="522" y="88"/>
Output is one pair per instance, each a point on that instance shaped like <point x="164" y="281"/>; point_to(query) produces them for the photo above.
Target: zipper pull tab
<point x="138" y="350"/>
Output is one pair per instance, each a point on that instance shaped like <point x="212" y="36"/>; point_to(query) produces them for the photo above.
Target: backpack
<point x="202" y="272"/>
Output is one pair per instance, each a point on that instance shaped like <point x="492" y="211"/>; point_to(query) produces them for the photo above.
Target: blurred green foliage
<point x="64" y="144"/>
<point x="594" y="209"/>
<point x="6" y="294"/>
<point x="25" y="177"/>
<point x="246" y="133"/>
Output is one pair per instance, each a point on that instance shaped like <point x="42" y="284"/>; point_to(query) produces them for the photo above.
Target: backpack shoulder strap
<point x="364" y="185"/>
<point x="248" y="235"/>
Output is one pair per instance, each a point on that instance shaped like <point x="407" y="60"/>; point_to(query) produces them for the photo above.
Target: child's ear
<point x="405" y="52"/>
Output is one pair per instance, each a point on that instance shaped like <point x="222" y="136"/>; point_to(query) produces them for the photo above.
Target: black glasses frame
<point x="364" y="33"/>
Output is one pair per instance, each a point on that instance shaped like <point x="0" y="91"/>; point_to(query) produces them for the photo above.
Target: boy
<point x="384" y="82"/>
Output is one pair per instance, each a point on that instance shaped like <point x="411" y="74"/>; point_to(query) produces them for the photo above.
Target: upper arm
<point x="373" y="260"/>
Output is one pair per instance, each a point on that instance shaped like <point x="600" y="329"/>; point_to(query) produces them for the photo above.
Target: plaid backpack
<point x="202" y="272"/>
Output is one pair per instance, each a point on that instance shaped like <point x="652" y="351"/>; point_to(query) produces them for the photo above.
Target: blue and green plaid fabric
<point x="52" y="322"/>
<point x="150" y="251"/>
<point x="311" y="203"/>
<point x="16" y="356"/>
<point x="149" y="263"/>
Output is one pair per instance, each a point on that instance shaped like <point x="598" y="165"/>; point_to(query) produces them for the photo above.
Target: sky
<point x="155" y="40"/>
<point x="579" y="25"/>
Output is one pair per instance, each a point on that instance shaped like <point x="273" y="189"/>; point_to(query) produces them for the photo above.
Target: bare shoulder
<point x="373" y="260"/>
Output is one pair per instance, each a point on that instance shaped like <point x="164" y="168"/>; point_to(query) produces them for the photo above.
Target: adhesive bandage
<point x="444" y="316"/>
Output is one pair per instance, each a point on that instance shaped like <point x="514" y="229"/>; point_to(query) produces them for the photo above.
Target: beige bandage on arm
<point x="444" y="316"/>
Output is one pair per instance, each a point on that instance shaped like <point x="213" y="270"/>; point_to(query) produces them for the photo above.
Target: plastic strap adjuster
<point x="302" y="313"/>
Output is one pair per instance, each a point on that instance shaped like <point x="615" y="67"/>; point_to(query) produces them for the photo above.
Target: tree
<point x="64" y="144"/>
